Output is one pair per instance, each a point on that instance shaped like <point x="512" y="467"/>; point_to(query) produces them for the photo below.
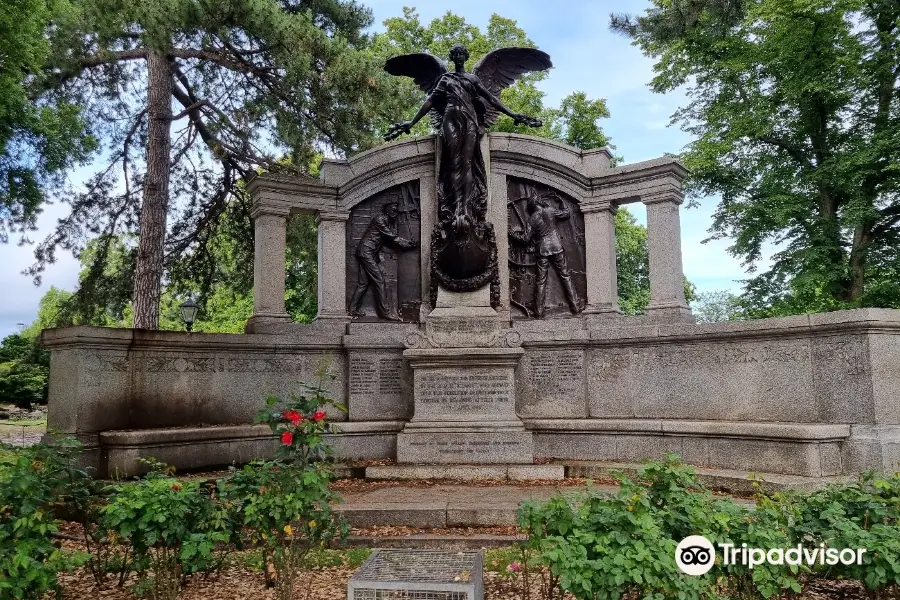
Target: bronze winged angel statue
<point x="461" y="106"/>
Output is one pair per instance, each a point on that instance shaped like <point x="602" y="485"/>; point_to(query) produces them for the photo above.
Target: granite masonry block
<point x="484" y="447"/>
<point x="551" y="382"/>
<point x="500" y="514"/>
<point x="419" y="515"/>
<point x="380" y="386"/>
<point x="577" y="446"/>
<point x="884" y="356"/>
<point x="368" y="446"/>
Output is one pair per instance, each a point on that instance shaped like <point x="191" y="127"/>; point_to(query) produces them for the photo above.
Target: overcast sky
<point x="587" y="57"/>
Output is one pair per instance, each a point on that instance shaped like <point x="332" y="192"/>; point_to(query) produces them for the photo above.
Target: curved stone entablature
<point x="586" y="177"/>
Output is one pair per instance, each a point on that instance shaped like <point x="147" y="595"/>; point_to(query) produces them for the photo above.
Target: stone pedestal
<point x="464" y="388"/>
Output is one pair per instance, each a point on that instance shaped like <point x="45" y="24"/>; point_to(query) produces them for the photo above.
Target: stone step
<point x="433" y="515"/>
<point x="466" y="472"/>
<point x="433" y="541"/>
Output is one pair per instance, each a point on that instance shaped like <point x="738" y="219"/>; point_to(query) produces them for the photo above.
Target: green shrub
<point x="286" y="508"/>
<point x="32" y="483"/>
<point x="301" y="422"/>
<point x="173" y="528"/>
<point x="606" y="546"/>
<point x="865" y="514"/>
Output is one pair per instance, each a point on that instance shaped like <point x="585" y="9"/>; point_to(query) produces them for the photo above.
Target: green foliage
<point x="286" y="508"/>
<point x="259" y="85"/>
<point x="24" y="370"/>
<point x="718" y="307"/>
<point x="286" y="504"/>
<point x="300" y="421"/>
<point x="632" y="263"/>
<point x="796" y="120"/>
<point x="610" y="546"/>
<point x="172" y="526"/>
<point x="606" y="545"/>
<point x="38" y="140"/>
<point x="23" y="384"/>
<point x="861" y="515"/>
<point x="32" y="482"/>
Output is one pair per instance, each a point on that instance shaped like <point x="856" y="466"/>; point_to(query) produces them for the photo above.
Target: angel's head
<point x="459" y="55"/>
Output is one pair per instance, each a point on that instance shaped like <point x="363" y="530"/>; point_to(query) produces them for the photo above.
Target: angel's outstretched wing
<point x="502" y="67"/>
<point x="425" y="69"/>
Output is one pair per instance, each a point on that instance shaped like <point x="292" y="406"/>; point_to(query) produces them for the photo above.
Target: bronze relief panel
<point x="383" y="256"/>
<point x="546" y="251"/>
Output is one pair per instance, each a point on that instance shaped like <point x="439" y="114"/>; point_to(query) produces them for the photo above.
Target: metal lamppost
<point x="189" y="310"/>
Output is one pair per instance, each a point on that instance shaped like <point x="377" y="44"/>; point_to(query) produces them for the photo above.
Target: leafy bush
<point x="285" y="504"/>
<point x="24" y="371"/>
<point x="32" y="481"/>
<point x="172" y="526"/>
<point x="606" y="546"/>
<point x="866" y="515"/>
<point x="610" y="545"/>
<point x="286" y="508"/>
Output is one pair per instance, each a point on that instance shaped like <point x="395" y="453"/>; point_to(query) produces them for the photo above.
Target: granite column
<point x="666" y="270"/>
<point x="332" y="266"/>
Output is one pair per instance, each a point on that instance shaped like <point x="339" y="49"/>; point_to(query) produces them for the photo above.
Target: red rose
<point x="287" y="438"/>
<point x="319" y="415"/>
<point x="293" y="416"/>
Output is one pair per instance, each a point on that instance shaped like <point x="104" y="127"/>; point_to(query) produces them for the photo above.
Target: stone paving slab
<point x="422" y="515"/>
<point x="429" y="541"/>
<point x="466" y="472"/>
<point x="444" y="505"/>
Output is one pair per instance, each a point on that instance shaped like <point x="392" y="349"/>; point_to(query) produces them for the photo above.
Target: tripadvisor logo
<point x="695" y="555"/>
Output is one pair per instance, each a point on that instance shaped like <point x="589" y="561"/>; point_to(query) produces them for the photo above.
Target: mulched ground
<point x="239" y="581"/>
<point x="330" y="583"/>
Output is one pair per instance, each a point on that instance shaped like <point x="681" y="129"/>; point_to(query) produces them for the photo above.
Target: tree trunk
<point x="155" y="203"/>
<point x="858" y="256"/>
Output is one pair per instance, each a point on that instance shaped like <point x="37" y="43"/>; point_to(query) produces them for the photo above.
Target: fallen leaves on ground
<point x="330" y="583"/>
<point x="398" y="530"/>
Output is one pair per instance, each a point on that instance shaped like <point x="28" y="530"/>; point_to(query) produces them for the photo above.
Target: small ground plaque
<point x="418" y="575"/>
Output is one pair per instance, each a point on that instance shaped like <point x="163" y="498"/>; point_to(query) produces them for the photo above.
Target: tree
<point x="717" y="307"/>
<point x="38" y="141"/>
<point x="796" y="115"/>
<point x="252" y="81"/>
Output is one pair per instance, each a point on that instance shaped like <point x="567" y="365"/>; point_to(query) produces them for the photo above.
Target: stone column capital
<point x="332" y="215"/>
<point x="599" y="207"/>
<point x="672" y="197"/>
<point x="269" y="210"/>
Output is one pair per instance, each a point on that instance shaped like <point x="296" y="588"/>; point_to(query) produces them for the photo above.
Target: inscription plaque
<point x="495" y="447"/>
<point x="378" y="387"/>
<point x="552" y="382"/>
<point x="465" y="395"/>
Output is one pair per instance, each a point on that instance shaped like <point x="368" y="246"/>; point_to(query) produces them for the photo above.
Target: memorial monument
<point x="498" y="346"/>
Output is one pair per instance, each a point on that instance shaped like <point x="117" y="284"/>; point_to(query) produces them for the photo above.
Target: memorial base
<point x="465" y="408"/>
<point x="451" y="446"/>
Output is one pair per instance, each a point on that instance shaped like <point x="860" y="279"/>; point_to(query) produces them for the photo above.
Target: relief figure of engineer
<point x="382" y="230"/>
<point x="540" y="227"/>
